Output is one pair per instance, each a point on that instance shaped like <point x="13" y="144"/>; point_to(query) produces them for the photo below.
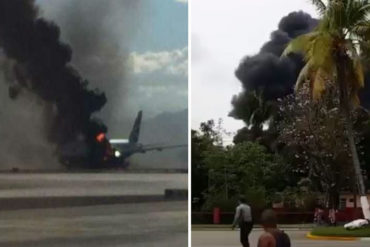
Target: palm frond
<point x="302" y="77"/>
<point x="320" y="52"/>
<point x="300" y="43"/>
<point x="344" y="24"/>
<point x="356" y="14"/>
<point x="362" y="30"/>
<point x="365" y="5"/>
<point x="358" y="79"/>
<point x="319" y="84"/>
<point x="320" y="6"/>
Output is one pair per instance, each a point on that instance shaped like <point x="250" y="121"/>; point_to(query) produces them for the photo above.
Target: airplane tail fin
<point x="135" y="132"/>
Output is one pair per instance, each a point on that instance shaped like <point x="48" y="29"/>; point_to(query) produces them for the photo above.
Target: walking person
<point x="243" y="218"/>
<point x="332" y="217"/>
<point x="319" y="216"/>
<point x="272" y="236"/>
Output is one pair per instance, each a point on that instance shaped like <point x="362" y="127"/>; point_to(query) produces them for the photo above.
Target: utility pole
<point x="226" y="184"/>
<point x="209" y="179"/>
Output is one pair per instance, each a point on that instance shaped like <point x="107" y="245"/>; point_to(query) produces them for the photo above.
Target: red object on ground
<point x="216" y="216"/>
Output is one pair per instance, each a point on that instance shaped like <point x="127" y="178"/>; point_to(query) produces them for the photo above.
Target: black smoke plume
<point x="101" y="49"/>
<point x="272" y="75"/>
<point x="40" y="63"/>
<point x="266" y="72"/>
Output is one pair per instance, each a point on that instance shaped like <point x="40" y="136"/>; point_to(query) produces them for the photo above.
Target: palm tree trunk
<point x="357" y="168"/>
<point x="346" y="107"/>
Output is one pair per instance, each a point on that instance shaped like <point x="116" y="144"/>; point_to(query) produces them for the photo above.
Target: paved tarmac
<point x="14" y="185"/>
<point x="216" y="238"/>
<point x="143" y="224"/>
<point x="47" y="212"/>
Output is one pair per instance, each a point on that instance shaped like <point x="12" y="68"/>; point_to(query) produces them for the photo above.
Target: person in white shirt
<point x="243" y="218"/>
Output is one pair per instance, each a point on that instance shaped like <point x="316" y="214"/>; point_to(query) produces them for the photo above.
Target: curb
<point x="180" y="194"/>
<point x="315" y="237"/>
<point x="223" y="227"/>
<point x="237" y="229"/>
<point x="19" y="203"/>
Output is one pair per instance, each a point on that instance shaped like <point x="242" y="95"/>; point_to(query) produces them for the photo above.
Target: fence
<point x="284" y="217"/>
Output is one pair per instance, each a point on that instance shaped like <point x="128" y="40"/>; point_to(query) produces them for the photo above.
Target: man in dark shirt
<point x="272" y="237"/>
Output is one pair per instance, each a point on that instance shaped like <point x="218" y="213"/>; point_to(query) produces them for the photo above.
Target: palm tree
<point x="335" y="52"/>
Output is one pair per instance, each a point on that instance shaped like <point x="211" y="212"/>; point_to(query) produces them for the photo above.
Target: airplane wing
<point x="155" y="147"/>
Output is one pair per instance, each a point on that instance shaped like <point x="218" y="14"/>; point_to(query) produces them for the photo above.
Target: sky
<point x="134" y="51"/>
<point x="221" y="35"/>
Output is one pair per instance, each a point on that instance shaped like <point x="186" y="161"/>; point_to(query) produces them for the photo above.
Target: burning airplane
<point x="107" y="153"/>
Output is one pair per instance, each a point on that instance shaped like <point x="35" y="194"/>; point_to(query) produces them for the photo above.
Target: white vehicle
<point x="356" y="224"/>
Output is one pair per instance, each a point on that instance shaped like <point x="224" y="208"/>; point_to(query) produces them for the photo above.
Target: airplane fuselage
<point x="77" y="154"/>
<point x="106" y="153"/>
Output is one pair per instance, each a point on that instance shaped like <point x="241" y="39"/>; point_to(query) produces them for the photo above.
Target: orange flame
<point x="100" y="137"/>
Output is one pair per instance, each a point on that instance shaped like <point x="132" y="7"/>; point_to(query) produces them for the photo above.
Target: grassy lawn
<point x="339" y="231"/>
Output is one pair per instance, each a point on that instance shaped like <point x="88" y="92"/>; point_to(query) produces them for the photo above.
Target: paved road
<point x="143" y="224"/>
<point x="231" y="239"/>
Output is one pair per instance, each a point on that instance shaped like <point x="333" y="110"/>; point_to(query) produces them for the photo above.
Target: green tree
<point x="207" y="140"/>
<point x="316" y="133"/>
<point x="245" y="168"/>
<point x="199" y="173"/>
<point x="334" y="52"/>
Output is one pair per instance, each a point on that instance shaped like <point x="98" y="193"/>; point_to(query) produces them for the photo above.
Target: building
<point x="347" y="200"/>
